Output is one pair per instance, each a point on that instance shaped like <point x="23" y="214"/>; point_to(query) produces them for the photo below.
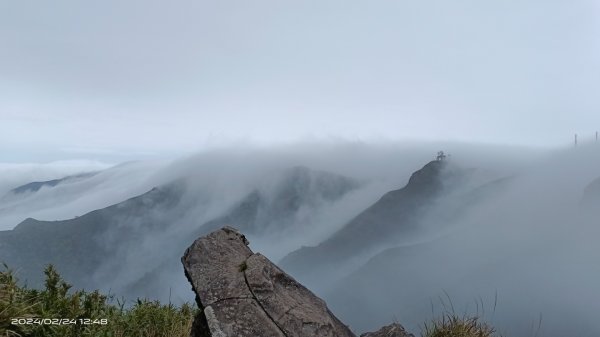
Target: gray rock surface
<point x="392" y="330"/>
<point x="244" y="294"/>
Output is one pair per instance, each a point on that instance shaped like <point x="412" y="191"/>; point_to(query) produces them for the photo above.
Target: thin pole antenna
<point x="575" y="139"/>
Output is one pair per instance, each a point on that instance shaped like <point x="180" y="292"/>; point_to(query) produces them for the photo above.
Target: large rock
<point x="392" y="330"/>
<point x="244" y="294"/>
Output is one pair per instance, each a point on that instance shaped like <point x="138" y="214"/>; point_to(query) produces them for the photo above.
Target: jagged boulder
<point x="243" y="294"/>
<point x="392" y="330"/>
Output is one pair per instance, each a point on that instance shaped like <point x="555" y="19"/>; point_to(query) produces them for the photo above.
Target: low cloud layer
<point x="530" y="243"/>
<point x="523" y="255"/>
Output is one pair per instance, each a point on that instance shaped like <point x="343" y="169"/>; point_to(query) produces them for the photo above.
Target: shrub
<point x="144" y="319"/>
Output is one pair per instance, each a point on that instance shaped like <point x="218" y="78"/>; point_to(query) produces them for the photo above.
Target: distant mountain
<point x="393" y="219"/>
<point x="78" y="246"/>
<point x="297" y="191"/>
<point x="114" y="245"/>
<point x="395" y="212"/>
<point x="37" y="185"/>
<point x="299" y="187"/>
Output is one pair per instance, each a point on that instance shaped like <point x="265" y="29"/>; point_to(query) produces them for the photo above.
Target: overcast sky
<point x="127" y="79"/>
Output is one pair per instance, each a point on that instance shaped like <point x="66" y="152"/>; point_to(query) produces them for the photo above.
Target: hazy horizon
<point x="118" y="81"/>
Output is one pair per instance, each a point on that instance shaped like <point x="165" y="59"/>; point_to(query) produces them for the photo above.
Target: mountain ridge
<point x="395" y="211"/>
<point x="80" y="246"/>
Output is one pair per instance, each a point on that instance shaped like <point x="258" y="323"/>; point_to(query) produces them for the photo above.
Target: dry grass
<point x="454" y="326"/>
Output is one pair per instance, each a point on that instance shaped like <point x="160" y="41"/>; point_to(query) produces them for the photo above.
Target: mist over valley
<point x="381" y="232"/>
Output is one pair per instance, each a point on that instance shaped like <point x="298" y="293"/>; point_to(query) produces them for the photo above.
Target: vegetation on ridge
<point x="57" y="312"/>
<point x="145" y="318"/>
<point x="451" y="325"/>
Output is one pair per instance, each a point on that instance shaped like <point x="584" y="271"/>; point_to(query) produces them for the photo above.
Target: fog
<point x="526" y="254"/>
<point x="215" y="181"/>
<point x="78" y="79"/>
<point x="310" y="112"/>
<point x="527" y="250"/>
<point x="15" y="174"/>
<point x="225" y="173"/>
<point x="72" y="197"/>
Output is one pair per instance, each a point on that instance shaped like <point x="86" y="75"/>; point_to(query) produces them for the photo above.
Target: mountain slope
<point x="394" y="213"/>
<point x="37" y="185"/>
<point x="297" y="190"/>
<point x="434" y="195"/>
<point x="116" y="247"/>
<point x="77" y="246"/>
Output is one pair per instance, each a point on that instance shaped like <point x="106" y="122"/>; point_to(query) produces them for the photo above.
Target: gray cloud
<point x="531" y="242"/>
<point x="532" y="245"/>
<point x="145" y="76"/>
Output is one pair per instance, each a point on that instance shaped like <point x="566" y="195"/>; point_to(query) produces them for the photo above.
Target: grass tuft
<point x="451" y="325"/>
<point x="243" y="266"/>
<point x="144" y="319"/>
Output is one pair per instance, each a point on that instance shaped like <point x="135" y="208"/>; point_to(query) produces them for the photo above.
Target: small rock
<point x="392" y="330"/>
